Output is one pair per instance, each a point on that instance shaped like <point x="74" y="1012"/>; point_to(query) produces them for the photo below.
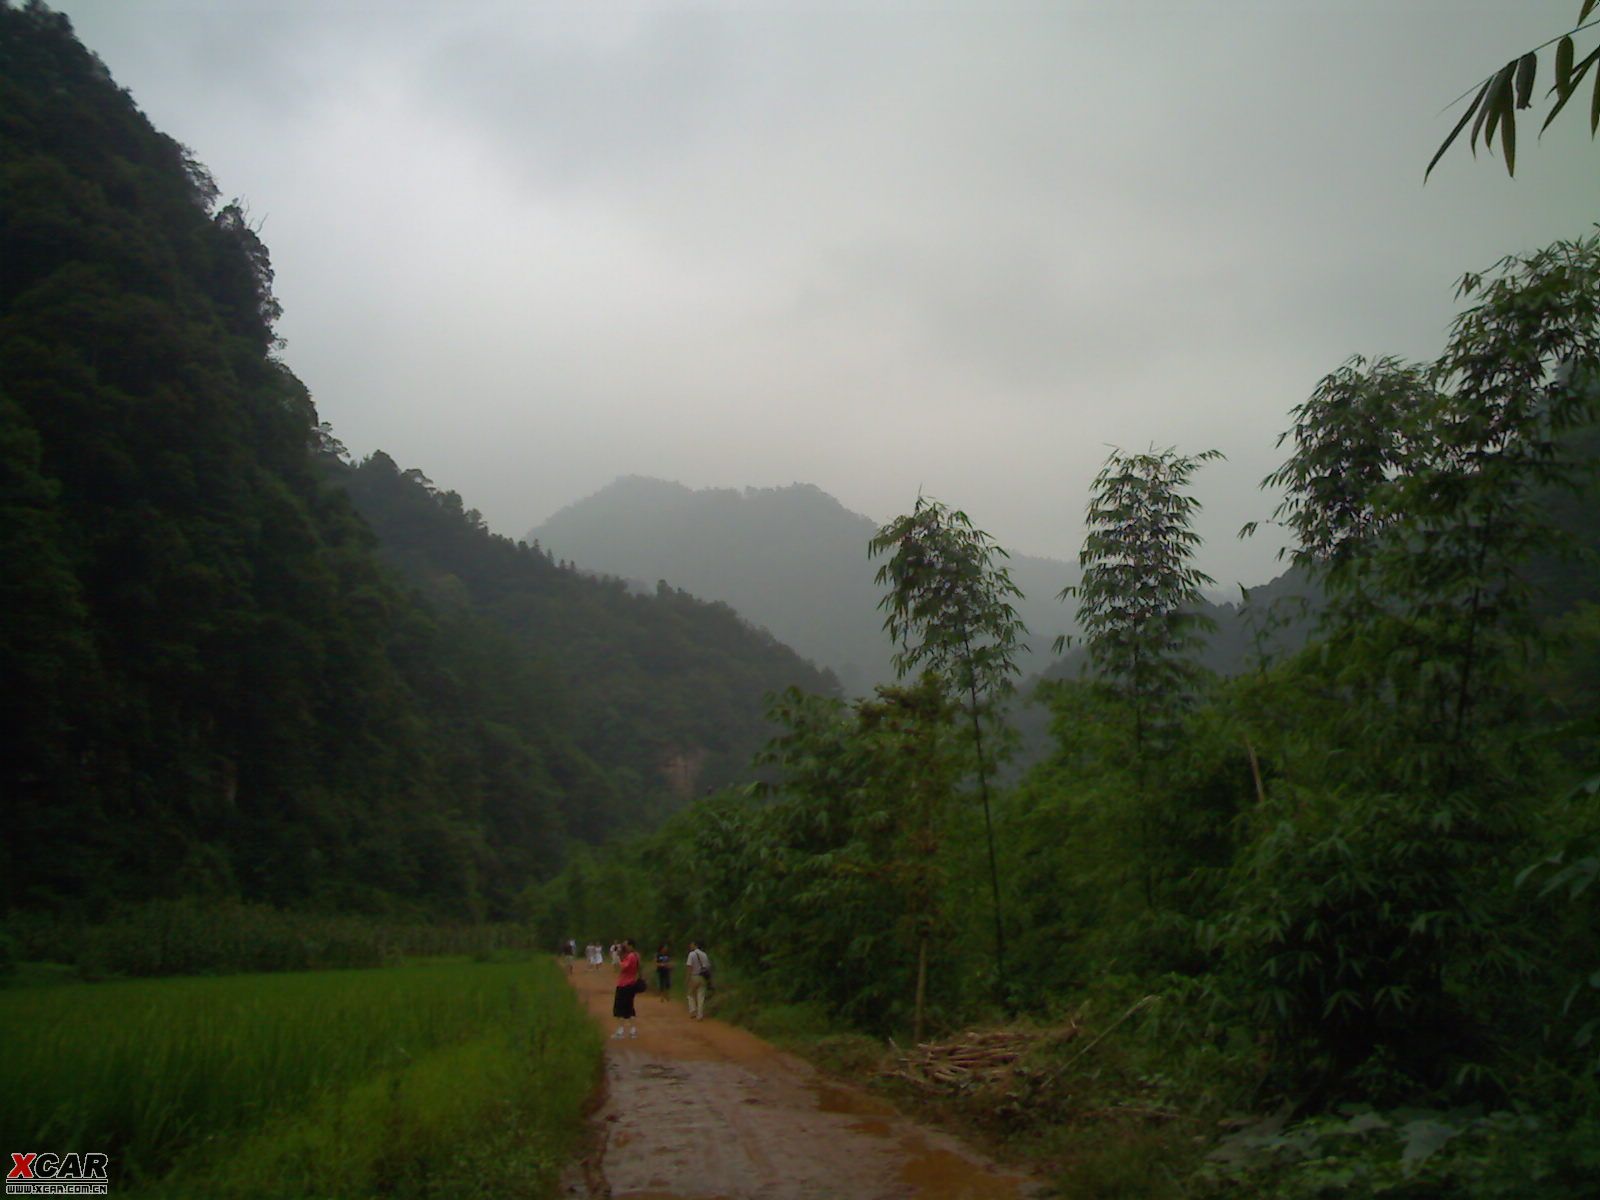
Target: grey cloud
<point x="529" y="247"/>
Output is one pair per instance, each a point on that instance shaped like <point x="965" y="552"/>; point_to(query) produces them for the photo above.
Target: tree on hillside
<point x="949" y="610"/>
<point x="908" y="733"/>
<point x="1138" y="599"/>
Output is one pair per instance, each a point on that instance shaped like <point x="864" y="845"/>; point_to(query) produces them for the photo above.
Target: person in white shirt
<point x="699" y="968"/>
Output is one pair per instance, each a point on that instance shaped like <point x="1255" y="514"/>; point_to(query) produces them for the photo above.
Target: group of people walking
<point x="630" y="981"/>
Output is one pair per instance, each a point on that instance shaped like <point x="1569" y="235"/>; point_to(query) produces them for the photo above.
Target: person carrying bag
<point x="699" y="968"/>
<point x="630" y="982"/>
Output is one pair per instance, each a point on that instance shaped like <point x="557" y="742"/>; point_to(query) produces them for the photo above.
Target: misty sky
<point x="529" y="247"/>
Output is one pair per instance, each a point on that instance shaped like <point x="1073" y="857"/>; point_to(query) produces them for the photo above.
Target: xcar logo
<point x="36" y="1174"/>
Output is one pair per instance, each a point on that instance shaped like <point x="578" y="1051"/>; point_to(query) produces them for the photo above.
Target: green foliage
<point x="1376" y="938"/>
<point x="850" y="860"/>
<point x="1411" y="1153"/>
<point x="1564" y="880"/>
<point x="1111" y="874"/>
<point x="602" y="895"/>
<point x="1372" y="920"/>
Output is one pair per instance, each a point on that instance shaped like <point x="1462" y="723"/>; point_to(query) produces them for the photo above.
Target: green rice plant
<point x="494" y="1116"/>
<point x="152" y="1071"/>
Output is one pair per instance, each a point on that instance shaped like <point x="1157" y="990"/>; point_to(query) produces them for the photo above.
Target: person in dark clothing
<point x="663" y="971"/>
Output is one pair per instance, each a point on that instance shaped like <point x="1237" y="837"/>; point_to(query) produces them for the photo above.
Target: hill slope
<point x="668" y="688"/>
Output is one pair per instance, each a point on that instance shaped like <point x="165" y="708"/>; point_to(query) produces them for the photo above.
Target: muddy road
<point x="701" y="1110"/>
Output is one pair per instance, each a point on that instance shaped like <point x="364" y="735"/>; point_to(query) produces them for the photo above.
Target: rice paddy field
<point x="445" y="1077"/>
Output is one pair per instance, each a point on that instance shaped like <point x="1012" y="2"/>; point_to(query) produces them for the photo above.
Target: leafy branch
<point x="1510" y="89"/>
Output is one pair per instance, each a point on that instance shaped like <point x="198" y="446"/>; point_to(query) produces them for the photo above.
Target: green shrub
<point x="1413" y="1153"/>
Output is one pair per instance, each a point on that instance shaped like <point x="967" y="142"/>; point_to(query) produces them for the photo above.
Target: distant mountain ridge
<point x="790" y="559"/>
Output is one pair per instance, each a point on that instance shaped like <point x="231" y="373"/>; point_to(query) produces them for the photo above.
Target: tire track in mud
<point x="701" y="1110"/>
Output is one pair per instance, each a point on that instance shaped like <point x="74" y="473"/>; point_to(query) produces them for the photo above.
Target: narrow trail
<point x="701" y="1110"/>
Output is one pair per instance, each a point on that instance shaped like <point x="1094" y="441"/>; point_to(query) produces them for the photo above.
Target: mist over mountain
<point x="791" y="559"/>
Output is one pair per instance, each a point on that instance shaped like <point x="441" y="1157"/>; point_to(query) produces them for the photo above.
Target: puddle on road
<point x="941" y="1175"/>
<point x="831" y="1098"/>
<point x="870" y="1128"/>
<point x="929" y="1172"/>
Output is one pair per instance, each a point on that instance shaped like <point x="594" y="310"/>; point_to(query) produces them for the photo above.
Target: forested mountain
<point x="212" y="680"/>
<point x="791" y="559"/>
<point x="667" y="688"/>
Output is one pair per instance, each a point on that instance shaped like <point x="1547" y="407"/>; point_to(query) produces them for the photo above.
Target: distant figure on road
<point x="699" y="967"/>
<point x="616" y="954"/>
<point x="629" y="985"/>
<point x="663" y="971"/>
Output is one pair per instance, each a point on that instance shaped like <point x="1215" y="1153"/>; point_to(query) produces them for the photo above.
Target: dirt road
<point x="701" y="1110"/>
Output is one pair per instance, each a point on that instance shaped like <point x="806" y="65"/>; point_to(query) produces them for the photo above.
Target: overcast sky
<point x="528" y="247"/>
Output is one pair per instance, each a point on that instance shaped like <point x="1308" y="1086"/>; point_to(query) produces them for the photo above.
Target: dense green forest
<point x="234" y="664"/>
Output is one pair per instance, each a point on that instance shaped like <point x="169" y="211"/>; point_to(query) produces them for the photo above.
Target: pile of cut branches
<point x="977" y="1060"/>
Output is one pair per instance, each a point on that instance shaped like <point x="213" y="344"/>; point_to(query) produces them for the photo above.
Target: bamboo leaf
<point x="1445" y="145"/>
<point x="1588" y="7"/>
<point x="1499" y="103"/>
<point x="1564" y="53"/>
<point x="1572" y="86"/>
<point x="1508" y="140"/>
<point x="1527" y="69"/>
<point x="1486" y="115"/>
<point x="1594" y="106"/>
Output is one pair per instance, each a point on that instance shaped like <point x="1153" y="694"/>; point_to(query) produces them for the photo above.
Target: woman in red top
<point x="628" y="985"/>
